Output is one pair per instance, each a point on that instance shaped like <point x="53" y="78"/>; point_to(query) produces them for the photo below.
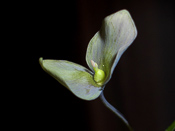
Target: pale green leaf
<point x="118" y="31"/>
<point x="74" y="77"/>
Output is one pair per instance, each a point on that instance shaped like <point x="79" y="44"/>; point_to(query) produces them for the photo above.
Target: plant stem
<point x="114" y="110"/>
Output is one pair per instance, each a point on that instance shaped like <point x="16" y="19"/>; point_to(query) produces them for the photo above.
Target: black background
<point x="142" y="86"/>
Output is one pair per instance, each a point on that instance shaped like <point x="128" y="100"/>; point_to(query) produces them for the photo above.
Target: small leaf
<point x="74" y="77"/>
<point x="171" y="127"/>
<point x="117" y="33"/>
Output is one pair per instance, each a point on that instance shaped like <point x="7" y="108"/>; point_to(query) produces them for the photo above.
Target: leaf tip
<point x="41" y="62"/>
<point x="40" y="59"/>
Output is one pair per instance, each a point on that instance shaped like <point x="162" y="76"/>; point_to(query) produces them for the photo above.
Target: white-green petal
<point x="117" y="33"/>
<point x="74" y="77"/>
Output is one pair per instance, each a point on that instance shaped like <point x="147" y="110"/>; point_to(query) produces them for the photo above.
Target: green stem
<point x="114" y="110"/>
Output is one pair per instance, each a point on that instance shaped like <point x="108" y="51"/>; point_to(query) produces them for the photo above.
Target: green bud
<point x="99" y="74"/>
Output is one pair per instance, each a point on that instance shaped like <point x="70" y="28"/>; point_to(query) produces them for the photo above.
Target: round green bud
<point x="99" y="75"/>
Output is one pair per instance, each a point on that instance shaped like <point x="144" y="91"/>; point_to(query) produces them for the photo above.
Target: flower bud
<point x="99" y="74"/>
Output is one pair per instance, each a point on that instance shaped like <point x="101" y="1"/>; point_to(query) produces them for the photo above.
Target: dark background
<point x="143" y="83"/>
